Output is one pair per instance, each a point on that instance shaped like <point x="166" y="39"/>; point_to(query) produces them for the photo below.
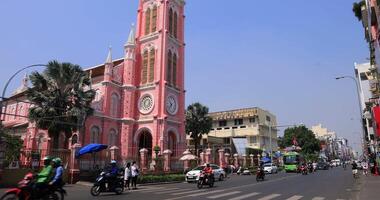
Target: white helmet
<point x="113" y="161"/>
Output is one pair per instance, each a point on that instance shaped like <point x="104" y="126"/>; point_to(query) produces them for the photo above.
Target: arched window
<point x="175" y="25"/>
<point x="74" y="139"/>
<point x="169" y="70"/>
<point x="115" y="105"/>
<point x="154" y="19"/>
<point x="95" y="133"/>
<point x="174" y="70"/>
<point x="151" y="64"/>
<point x="171" y="21"/>
<point x="147" y="22"/>
<point x="40" y="142"/>
<point x="172" y="145"/>
<point x="112" y="138"/>
<point x="145" y="67"/>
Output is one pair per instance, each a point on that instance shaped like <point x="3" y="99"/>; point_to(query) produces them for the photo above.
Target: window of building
<point x="95" y="135"/>
<point x="234" y="127"/>
<point x="154" y="19"/>
<point x="147" y="22"/>
<point x="252" y="120"/>
<point x="238" y="121"/>
<point x="223" y="123"/>
<point x="175" y="25"/>
<point x="218" y="129"/>
<point x="144" y="78"/>
<point x="253" y="139"/>
<point x="169" y="70"/>
<point x="115" y="105"/>
<point x="174" y="76"/>
<point x="112" y="138"/>
<point x="243" y="127"/>
<point x="171" y="21"/>
<point x="227" y="140"/>
<point x="152" y="57"/>
<point x="268" y="119"/>
<point x="227" y="128"/>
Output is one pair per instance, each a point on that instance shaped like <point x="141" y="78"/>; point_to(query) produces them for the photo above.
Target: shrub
<point x="161" y="178"/>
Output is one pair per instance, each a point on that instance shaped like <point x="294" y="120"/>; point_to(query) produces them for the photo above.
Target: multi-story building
<point x="243" y="128"/>
<point x="139" y="99"/>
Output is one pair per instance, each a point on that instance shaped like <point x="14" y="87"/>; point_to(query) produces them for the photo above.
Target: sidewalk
<point x="368" y="188"/>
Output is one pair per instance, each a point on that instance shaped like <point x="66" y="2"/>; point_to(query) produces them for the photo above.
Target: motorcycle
<point x="102" y="184"/>
<point x="304" y="170"/>
<point x="205" y="180"/>
<point x="24" y="191"/>
<point x="310" y="168"/>
<point x="260" y="175"/>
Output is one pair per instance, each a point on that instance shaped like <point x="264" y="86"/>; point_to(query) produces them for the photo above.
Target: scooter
<point x="205" y="180"/>
<point x="304" y="170"/>
<point x="260" y="175"/>
<point x="102" y="184"/>
<point x="25" y="191"/>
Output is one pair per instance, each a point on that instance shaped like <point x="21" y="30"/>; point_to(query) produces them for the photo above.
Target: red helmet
<point x="28" y="176"/>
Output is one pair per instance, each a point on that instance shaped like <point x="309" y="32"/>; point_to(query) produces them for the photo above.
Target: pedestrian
<point x="365" y="167"/>
<point x="135" y="174"/>
<point x="127" y="175"/>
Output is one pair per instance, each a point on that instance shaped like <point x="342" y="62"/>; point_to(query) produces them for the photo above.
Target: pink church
<point x="140" y="98"/>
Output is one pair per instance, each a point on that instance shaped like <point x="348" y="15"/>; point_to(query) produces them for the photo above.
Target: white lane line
<point x="161" y="189"/>
<point x="271" y="196"/>
<point x="223" y="195"/>
<point x="204" y="193"/>
<point x="245" y="196"/>
<point x="148" y="188"/>
<point x="295" y="197"/>
<point x="170" y="191"/>
<point x="182" y="193"/>
<point x="318" y="198"/>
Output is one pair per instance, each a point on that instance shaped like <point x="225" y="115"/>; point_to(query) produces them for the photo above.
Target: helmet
<point x="46" y="158"/>
<point x="57" y="161"/>
<point x="208" y="165"/>
<point x="113" y="161"/>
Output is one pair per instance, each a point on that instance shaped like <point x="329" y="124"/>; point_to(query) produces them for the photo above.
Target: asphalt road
<point x="334" y="184"/>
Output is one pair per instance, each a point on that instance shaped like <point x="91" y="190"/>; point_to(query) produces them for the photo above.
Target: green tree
<point x="357" y="9"/>
<point x="13" y="145"/>
<point x="304" y="137"/>
<point x="61" y="98"/>
<point x="197" y="122"/>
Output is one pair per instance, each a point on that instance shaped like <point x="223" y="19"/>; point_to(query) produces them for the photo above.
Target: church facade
<point x="140" y="98"/>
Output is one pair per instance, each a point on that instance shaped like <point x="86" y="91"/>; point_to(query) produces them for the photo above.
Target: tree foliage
<point x="197" y="122"/>
<point x="61" y="98"/>
<point x="304" y="137"/>
<point x="13" y="145"/>
<point x="357" y="9"/>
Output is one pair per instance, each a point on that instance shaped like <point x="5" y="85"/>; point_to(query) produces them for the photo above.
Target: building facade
<point x="140" y="98"/>
<point x="243" y="128"/>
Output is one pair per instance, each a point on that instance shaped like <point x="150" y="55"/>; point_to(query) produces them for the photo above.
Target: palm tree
<point x="61" y="98"/>
<point x="197" y="123"/>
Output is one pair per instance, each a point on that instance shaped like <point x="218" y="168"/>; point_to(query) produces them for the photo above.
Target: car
<point x="193" y="175"/>
<point x="270" y="168"/>
<point x="323" y="165"/>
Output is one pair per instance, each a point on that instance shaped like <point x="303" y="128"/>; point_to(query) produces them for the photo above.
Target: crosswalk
<point x="173" y="193"/>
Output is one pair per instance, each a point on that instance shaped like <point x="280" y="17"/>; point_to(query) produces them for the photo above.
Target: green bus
<point x="291" y="161"/>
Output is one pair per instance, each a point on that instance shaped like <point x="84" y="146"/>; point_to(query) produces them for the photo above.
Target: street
<point x="335" y="183"/>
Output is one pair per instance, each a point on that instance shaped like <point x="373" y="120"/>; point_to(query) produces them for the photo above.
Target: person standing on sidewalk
<point x="127" y="175"/>
<point x="365" y="167"/>
<point x="135" y="174"/>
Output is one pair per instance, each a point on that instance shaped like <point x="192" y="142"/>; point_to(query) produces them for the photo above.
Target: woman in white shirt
<point x="135" y="174"/>
<point x="127" y="175"/>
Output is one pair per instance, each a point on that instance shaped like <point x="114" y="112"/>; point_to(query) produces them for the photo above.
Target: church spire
<point x="109" y="57"/>
<point x="132" y="37"/>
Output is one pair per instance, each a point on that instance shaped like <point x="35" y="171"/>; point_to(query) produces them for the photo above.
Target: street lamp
<point x="7" y="83"/>
<point x="360" y="107"/>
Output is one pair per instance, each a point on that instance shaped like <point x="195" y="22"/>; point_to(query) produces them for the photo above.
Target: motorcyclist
<point x="57" y="179"/>
<point x="208" y="171"/>
<point x="354" y="169"/>
<point x="45" y="175"/>
<point x="112" y="173"/>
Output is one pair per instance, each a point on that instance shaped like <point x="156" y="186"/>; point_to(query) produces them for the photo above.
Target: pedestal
<point x="167" y="158"/>
<point x="143" y="159"/>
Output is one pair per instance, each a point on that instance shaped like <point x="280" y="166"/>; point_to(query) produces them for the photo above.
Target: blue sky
<point x="279" y="56"/>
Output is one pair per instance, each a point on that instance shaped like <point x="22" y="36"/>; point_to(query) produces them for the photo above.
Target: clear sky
<point x="279" y="55"/>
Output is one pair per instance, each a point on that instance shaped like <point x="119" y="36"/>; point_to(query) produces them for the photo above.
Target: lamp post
<point x="360" y="109"/>
<point x="7" y="83"/>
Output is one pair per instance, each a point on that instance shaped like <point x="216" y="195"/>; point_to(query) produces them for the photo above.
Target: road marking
<point x="194" y="195"/>
<point x="148" y="189"/>
<point x="272" y="196"/>
<point x="181" y="193"/>
<point x="295" y="197"/>
<point x="165" y="192"/>
<point x="160" y="189"/>
<point x="318" y="198"/>
<point x="204" y="193"/>
<point x="223" y="195"/>
<point x="245" y="196"/>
